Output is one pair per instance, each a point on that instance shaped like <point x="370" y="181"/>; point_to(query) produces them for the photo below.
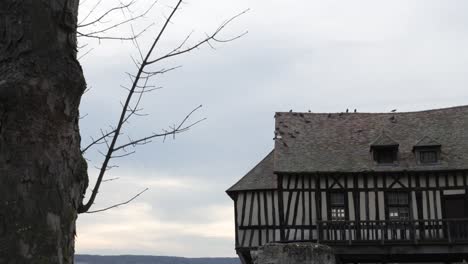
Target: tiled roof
<point x="318" y="142"/>
<point x="384" y="140"/>
<point x="427" y="142"/>
<point x="260" y="177"/>
<point x="341" y="142"/>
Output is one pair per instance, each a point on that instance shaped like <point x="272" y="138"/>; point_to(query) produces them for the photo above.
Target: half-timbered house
<point x="377" y="187"/>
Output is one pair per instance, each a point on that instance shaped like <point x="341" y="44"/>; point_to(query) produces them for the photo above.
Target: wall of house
<point x="257" y="218"/>
<point x="300" y="207"/>
<point x="292" y="212"/>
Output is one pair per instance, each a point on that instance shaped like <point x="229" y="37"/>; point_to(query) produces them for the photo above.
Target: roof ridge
<point x="376" y="113"/>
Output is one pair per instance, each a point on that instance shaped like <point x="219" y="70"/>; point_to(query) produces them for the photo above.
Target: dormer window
<point x="427" y="151"/>
<point x="428" y="156"/>
<point x="385" y="150"/>
<point x="385" y="155"/>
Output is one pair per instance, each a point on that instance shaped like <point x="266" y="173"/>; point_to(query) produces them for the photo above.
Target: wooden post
<point x="448" y="232"/>
<point x="281" y="207"/>
<point x="382" y="227"/>
<point x="349" y="233"/>
<point x="319" y="231"/>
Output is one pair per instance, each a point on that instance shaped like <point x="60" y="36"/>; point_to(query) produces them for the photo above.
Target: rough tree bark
<point x="42" y="172"/>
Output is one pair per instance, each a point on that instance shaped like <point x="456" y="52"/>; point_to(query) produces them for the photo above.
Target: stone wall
<point x="294" y="253"/>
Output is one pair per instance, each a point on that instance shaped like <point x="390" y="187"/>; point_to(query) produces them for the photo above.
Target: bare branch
<point x="98" y="34"/>
<point x="83" y="116"/>
<point x="99" y="37"/>
<point x="135" y="41"/>
<point x="123" y="155"/>
<point x="150" y="74"/>
<point x="104" y="139"/>
<point x="117" y="205"/>
<point x="86" y="53"/>
<point x="173" y="131"/>
<point x="212" y="37"/>
<point x="108" y="12"/>
<point x="97" y="141"/>
<point x="109" y="167"/>
<point x="111" y="179"/>
<point x="92" y="9"/>
<point x="85" y="207"/>
<point x="131" y="105"/>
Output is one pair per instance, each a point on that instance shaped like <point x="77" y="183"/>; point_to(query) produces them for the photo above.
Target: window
<point x="385" y="155"/>
<point x="398" y="205"/>
<point x="427" y="151"/>
<point x="337" y="214"/>
<point x="428" y="156"/>
<point x="384" y="150"/>
<point x="337" y="206"/>
<point x="398" y="213"/>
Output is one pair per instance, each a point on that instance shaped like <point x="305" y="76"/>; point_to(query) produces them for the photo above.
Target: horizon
<point x="118" y="255"/>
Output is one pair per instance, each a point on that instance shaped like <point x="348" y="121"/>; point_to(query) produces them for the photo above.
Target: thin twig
<point x="97" y="141"/>
<point x="108" y="12"/>
<point x="177" y="52"/>
<point x="117" y="205"/>
<point x="98" y="34"/>
<point x="111" y="179"/>
<point x="173" y="132"/>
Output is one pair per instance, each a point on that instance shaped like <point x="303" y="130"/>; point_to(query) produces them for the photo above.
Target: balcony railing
<point x="394" y="231"/>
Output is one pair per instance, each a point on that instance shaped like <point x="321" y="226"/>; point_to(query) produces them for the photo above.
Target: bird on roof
<point x="290" y="111"/>
<point x="355" y="110"/>
<point x="347" y="110"/>
<point x="309" y="111"/>
<point x="393" y="111"/>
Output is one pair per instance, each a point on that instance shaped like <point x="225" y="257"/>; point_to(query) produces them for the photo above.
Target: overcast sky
<point x="323" y="56"/>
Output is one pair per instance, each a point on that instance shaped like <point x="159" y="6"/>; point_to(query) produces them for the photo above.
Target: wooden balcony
<point x="386" y="241"/>
<point x="400" y="241"/>
<point x="415" y="232"/>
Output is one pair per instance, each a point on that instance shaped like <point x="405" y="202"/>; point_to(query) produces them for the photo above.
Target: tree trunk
<point x="42" y="172"/>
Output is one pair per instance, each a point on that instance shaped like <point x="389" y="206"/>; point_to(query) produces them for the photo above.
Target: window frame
<point x="378" y="150"/>
<point x="419" y="150"/>
<point x="397" y="205"/>
<point x="343" y="206"/>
